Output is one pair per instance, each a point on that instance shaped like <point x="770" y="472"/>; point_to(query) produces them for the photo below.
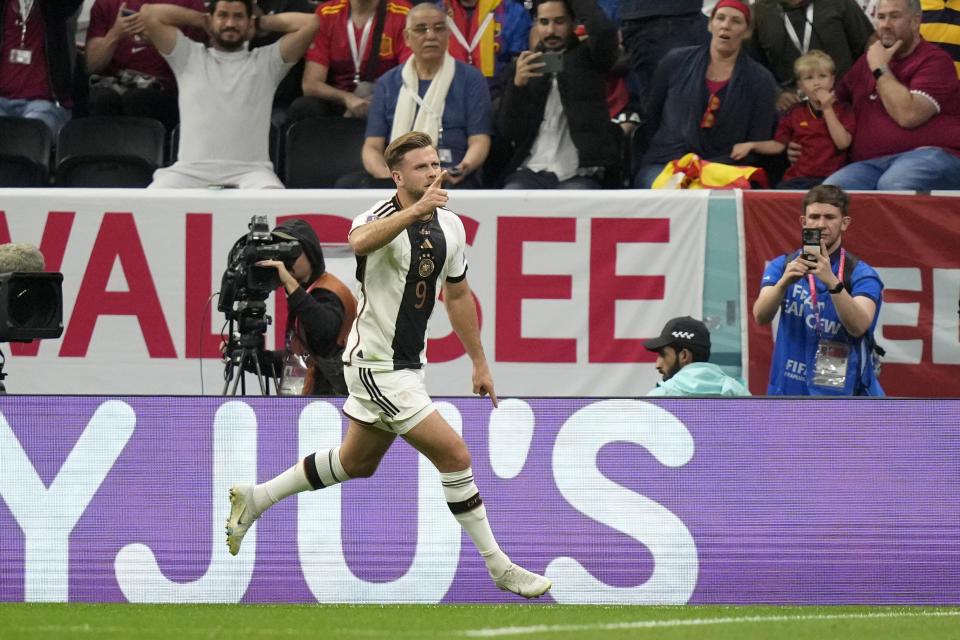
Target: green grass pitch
<point x="528" y="621"/>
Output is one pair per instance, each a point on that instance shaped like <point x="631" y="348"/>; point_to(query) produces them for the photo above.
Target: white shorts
<point x="395" y="401"/>
<point x="199" y="175"/>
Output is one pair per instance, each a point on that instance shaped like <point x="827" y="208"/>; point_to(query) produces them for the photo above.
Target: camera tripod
<point x="245" y="346"/>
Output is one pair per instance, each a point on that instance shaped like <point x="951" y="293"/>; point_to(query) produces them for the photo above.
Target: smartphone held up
<point x="811" y="244"/>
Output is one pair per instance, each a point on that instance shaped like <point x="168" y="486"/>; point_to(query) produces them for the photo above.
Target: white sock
<point x="291" y="481"/>
<point x="464" y="501"/>
<point x="318" y="470"/>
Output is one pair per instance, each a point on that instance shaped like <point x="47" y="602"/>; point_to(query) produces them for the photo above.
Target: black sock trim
<point x="467" y="505"/>
<point x="310" y="469"/>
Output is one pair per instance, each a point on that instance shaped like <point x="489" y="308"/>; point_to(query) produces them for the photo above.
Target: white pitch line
<point x="691" y="622"/>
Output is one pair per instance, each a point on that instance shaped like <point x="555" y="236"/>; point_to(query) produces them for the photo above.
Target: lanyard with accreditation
<point x="22" y="55"/>
<point x="830" y="364"/>
<point x="356" y="52"/>
<point x="472" y="45"/>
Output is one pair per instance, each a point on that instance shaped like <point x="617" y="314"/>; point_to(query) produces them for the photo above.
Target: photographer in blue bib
<point x="828" y="301"/>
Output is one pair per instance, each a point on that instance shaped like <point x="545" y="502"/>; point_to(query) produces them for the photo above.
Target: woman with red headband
<point x="705" y="99"/>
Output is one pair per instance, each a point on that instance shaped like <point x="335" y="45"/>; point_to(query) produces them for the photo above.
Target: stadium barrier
<point x="618" y="501"/>
<point x="567" y="284"/>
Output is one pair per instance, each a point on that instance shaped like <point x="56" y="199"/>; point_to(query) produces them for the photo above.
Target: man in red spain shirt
<point x="339" y="76"/>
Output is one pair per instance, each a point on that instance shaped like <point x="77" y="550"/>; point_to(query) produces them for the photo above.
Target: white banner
<point x="568" y="284"/>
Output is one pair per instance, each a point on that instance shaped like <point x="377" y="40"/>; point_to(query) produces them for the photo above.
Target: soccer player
<point x="408" y="248"/>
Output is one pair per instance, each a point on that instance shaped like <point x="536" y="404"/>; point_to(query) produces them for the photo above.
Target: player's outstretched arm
<point x="462" y="311"/>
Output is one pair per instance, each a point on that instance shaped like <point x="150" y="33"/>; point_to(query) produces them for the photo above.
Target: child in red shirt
<point x="824" y="128"/>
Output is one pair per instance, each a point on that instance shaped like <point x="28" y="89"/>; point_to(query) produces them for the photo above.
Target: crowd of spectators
<point x="513" y="97"/>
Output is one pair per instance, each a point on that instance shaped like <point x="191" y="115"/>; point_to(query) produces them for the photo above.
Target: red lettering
<point x="449" y="346"/>
<point x="606" y="287"/>
<point x="118" y="240"/>
<point x="513" y="287"/>
<point x="198" y="305"/>
<point x="53" y="245"/>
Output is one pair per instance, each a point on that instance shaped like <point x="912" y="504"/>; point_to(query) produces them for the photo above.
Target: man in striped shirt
<point x="408" y="249"/>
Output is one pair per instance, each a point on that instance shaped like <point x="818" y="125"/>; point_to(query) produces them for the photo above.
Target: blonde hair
<point x="402" y="145"/>
<point x="814" y="60"/>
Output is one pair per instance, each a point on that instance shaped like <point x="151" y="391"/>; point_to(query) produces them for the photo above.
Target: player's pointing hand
<point x="435" y="195"/>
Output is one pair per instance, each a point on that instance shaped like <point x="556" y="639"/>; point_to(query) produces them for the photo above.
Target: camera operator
<point x="320" y="309"/>
<point x="828" y="302"/>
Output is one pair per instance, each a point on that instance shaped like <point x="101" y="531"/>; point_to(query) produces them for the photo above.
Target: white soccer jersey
<point x="399" y="287"/>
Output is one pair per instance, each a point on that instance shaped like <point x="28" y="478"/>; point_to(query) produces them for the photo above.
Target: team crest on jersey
<point x="426" y="267"/>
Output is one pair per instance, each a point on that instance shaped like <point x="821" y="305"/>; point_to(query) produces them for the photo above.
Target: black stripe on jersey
<point x="419" y="294"/>
<point x="387" y="208"/>
<point x="376" y="396"/>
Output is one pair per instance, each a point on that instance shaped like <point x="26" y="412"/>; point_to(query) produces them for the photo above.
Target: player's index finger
<point x="440" y="178"/>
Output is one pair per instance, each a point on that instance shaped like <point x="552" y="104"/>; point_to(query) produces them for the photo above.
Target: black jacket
<point x="582" y="86"/>
<point x="840" y="28"/>
<point x="319" y="312"/>
<point x="59" y="46"/>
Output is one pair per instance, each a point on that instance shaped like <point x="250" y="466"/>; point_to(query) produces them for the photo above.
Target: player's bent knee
<point x="361" y="468"/>
<point x="457" y="459"/>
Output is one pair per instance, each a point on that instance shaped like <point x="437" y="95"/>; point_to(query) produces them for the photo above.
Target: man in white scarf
<point x="433" y="93"/>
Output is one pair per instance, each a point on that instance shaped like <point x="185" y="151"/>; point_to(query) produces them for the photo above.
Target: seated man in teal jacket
<point x="683" y="349"/>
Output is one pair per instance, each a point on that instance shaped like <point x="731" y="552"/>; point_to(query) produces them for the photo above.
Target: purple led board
<point x="629" y="501"/>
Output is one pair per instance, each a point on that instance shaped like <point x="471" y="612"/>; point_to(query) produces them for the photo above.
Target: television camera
<point x="244" y="289"/>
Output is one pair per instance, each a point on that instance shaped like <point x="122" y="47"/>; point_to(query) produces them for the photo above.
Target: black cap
<point x="681" y="332"/>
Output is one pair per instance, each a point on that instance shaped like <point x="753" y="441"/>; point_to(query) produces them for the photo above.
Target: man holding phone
<point x="554" y="109"/>
<point x="828" y="301"/>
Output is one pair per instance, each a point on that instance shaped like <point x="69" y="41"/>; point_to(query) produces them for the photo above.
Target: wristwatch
<point x="836" y="289"/>
<point x="879" y="71"/>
